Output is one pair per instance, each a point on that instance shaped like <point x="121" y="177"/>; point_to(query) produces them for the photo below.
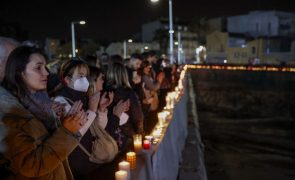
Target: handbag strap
<point x="84" y="150"/>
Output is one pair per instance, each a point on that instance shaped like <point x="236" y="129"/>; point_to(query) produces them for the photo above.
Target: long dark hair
<point x="15" y="66"/>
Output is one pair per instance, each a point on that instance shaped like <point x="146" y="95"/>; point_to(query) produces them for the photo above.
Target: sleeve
<point x="36" y="157"/>
<point x="90" y="114"/>
<point x="62" y="100"/>
<point x="137" y="114"/>
<point x="150" y="84"/>
<point x="90" y="118"/>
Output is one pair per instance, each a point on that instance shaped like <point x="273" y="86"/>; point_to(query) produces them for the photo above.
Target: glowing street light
<point x="73" y="35"/>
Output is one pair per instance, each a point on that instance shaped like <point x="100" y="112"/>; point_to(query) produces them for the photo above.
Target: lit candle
<point x="167" y="102"/>
<point x="121" y="175"/>
<point x="137" y="141"/>
<point x="131" y="158"/>
<point x="146" y="144"/>
<point x="161" y="118"/>
<point x="125" y="166"/>
<point x="149" y="138"/>
<point x="157" y="133"/>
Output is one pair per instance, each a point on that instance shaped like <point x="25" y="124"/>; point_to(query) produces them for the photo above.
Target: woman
<point x="37" y="143"/>
<point x="108" y="120"/>
<point x="74" y="87"/>
<point x="117" y="80"/>
<point x="150" y="101"/>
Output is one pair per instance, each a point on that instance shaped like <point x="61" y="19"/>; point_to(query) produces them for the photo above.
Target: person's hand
<point x="121" y="107"/>
<point x="75" y="118"/>
<point x="106" y="101"/>
<point x="160" y="77"/>
<point x="150" y="100"/>
<point x="93" y="101"/>
<point x="59" y="109"/>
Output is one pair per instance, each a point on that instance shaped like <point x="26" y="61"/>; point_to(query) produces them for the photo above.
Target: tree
<point x="89" y="48"/>
<point x="200" y="26"/>
<point x="161" y="36"/>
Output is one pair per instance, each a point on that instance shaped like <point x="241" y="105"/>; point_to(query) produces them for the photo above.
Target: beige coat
<point x="31" y="151"/>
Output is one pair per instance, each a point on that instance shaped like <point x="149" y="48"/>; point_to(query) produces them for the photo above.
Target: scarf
<point x="74" y="95"/>
<point x="40" y="105"/>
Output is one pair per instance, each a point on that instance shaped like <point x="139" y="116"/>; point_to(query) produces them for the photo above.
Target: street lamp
<point x="73" y="35"/>
<point x="171" y="31"/>
<point x="125" y="47"/>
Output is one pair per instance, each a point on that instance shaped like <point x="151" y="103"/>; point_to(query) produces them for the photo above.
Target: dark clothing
<point x="114" y="129"/>
<point x="79" y="161"/>
<point x="130" y="75"/>
<point x="74" y="95"/>
<point x="135" y="121"/>
<point x="136" y="87"/>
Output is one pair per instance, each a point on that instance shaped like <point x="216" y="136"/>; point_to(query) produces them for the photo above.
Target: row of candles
<point x="249" y="68"/>
<point x="163" y="119"/>
<point x="130" y="163"/>
<point x="171" y="99"/>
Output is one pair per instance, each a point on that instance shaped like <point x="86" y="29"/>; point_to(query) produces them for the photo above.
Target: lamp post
<point x="171" y="31"/>
<point x="73" y="35"/>
<point x="125" y="47"/>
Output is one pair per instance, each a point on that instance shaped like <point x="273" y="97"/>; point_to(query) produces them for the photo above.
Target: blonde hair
<point x="117" y="76"/>
<point x="94" y="73"/>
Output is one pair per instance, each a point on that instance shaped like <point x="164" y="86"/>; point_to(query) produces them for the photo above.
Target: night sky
<point x="116" y="20"/>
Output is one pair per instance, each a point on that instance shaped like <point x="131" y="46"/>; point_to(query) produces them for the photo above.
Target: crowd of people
<point x="76" y="122"/>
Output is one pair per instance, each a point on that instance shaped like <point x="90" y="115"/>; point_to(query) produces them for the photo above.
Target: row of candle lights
<point x="130" y="163"/>
<point x="163" y="120"/>
<point x="171" y="99"/>
<point x="249" y="68"/>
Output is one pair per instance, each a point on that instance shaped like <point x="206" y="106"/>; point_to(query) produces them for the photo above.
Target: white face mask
<point x="81" y="84"/>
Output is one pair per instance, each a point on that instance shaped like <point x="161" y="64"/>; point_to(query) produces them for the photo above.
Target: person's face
<point x="8" y="48"/>
<point x="35" y="74"/>
<point x="147" y="69"/>
<point x="152" y="59"/>
<point x="78" y="73"/>
<point x="99" y="82"/>
<point x="136" y="64"/>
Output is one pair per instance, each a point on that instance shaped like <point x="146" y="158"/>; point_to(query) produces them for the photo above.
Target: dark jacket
<point x="135" y="121"/>
<point x="31" y="151"/>
<point x="79" y="161"/>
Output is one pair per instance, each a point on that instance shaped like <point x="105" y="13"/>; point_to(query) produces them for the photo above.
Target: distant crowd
<point x="75" y="120"/>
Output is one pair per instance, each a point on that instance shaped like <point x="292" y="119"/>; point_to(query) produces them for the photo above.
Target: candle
<point x="137" y="141"/>
<point x="125" y="166"/>
<point x="161" y="118"/>
<point x="149" y="138"/>
<point x="157" y="133"/>
<point x="121" y="175"/>
<point x="146" y="144"/>
<point x="131" y="158"/>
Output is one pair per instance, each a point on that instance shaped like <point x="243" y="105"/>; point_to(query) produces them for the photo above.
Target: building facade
<point x="185" y="48"/>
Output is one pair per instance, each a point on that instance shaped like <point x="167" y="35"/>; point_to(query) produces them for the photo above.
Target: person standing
<point x="38" y="143"/>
